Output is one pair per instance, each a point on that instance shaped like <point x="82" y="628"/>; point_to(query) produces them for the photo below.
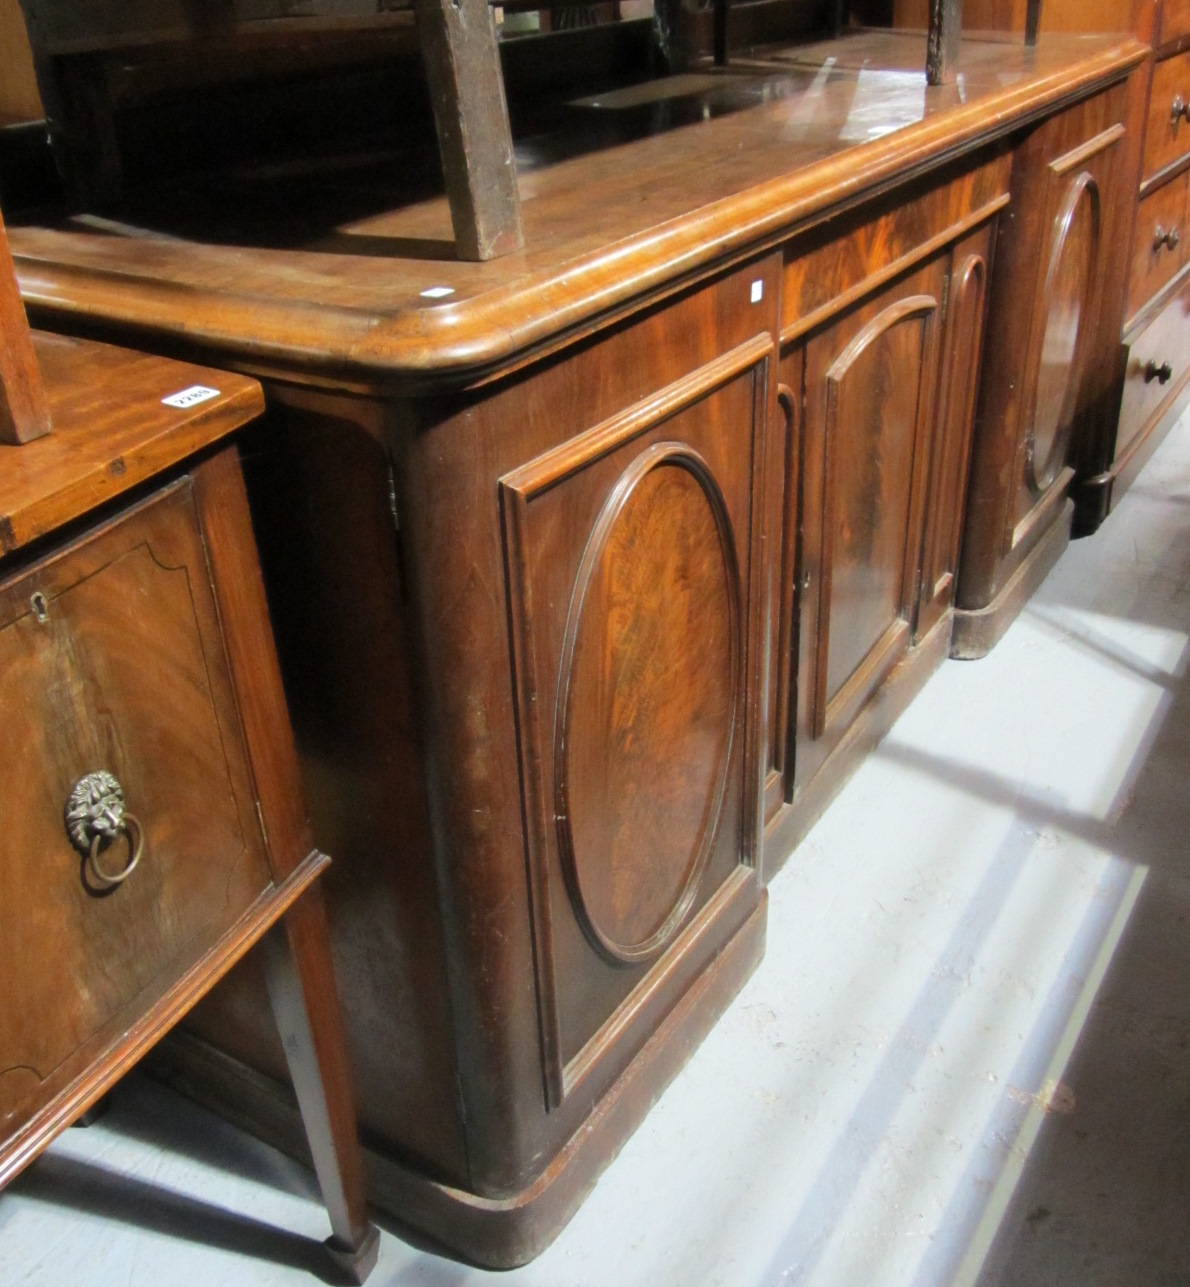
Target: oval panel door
<point x="649" y="689"/>
<point x="1069" y="291"/>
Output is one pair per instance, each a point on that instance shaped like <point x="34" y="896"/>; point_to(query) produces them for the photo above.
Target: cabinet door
<point x="1051" y="359"/>
<point x="1063" y="330"/>
<point x="629" y="553"/>
<point x="870" y="381"/>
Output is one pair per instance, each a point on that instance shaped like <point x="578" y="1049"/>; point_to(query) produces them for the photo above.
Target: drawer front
<point x="1158" y="365"/>
<point x="1167" y="135"/>
<point x="111" y="658"/>
<point x="828" y="268"/>
<point x="1160" y="242"/>
<point x="1175" y="20"/>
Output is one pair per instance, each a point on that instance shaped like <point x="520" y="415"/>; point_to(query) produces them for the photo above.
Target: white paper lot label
<point x="191" y="397"/>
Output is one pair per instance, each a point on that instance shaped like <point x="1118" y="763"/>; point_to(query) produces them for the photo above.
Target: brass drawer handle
<point x="1162" y="374"/>
<point x="95" y="814"/>
<point x="1168" y="239"/>
<point x="1179" y="110"/>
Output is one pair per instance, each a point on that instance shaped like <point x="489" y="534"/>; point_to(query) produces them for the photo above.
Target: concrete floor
<point x="964" y="1060"/>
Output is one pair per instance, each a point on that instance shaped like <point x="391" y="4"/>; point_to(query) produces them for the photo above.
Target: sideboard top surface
<point x="323" y="277"/>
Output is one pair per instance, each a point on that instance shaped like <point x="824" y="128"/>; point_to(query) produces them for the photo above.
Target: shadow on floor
<point x="1104" y="1200"/>
<point x="82" y="1186"/>
<point x="142" y="1109"/>
<point x="1105" y="1197"/>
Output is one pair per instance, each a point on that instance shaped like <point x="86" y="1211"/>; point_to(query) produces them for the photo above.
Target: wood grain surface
<point x="1057" y="300"/>
<point x="112" y="431"/>
<point x="348" y="304"/>
<point x="1175" y="20"/>
<point x="1157" y="370"/>
<point x="1167" y="132"/>
<point x="573" y="564"/>
<point x="1160" y="241"/>
<point x="92" y="681"/>
<point x="140" y="647"/>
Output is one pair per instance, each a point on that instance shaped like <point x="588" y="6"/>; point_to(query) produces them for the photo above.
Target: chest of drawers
<point x="152" y="829"/>
<point x="1157" y="331"/>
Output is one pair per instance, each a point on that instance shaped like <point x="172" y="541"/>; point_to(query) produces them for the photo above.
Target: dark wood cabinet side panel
<point x="319" y="488"/>
<point x="221" y="504"/>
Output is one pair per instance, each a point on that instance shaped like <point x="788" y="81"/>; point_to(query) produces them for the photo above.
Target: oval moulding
<point x="1069" y="291"/>
<point x="648" y="698"/>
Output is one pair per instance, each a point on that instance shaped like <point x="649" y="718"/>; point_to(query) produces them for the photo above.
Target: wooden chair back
<point x="24" y="410"/>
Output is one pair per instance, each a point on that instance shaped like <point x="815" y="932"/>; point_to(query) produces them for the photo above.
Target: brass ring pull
<point x="95" y="814"/>
<point x="134" y="831"/>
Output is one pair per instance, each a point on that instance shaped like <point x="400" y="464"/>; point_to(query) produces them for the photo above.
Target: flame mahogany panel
<point x="871" y="382"/>
<point x="629" y="569"/>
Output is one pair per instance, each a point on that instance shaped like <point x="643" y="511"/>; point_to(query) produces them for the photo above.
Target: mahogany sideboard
<point x="153" y="827"/>
<point x="596" y="567"/>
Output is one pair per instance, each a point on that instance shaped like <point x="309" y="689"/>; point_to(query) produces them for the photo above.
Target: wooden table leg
<point x="302" y="990"/>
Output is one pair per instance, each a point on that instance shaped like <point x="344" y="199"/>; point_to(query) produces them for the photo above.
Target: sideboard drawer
<point x="1160" y="242"/>
<point x="1167" y="132"/>
<point x="847" y="258"/>
<point x="1158" y="365"/>
<point x="112" y="659"/>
